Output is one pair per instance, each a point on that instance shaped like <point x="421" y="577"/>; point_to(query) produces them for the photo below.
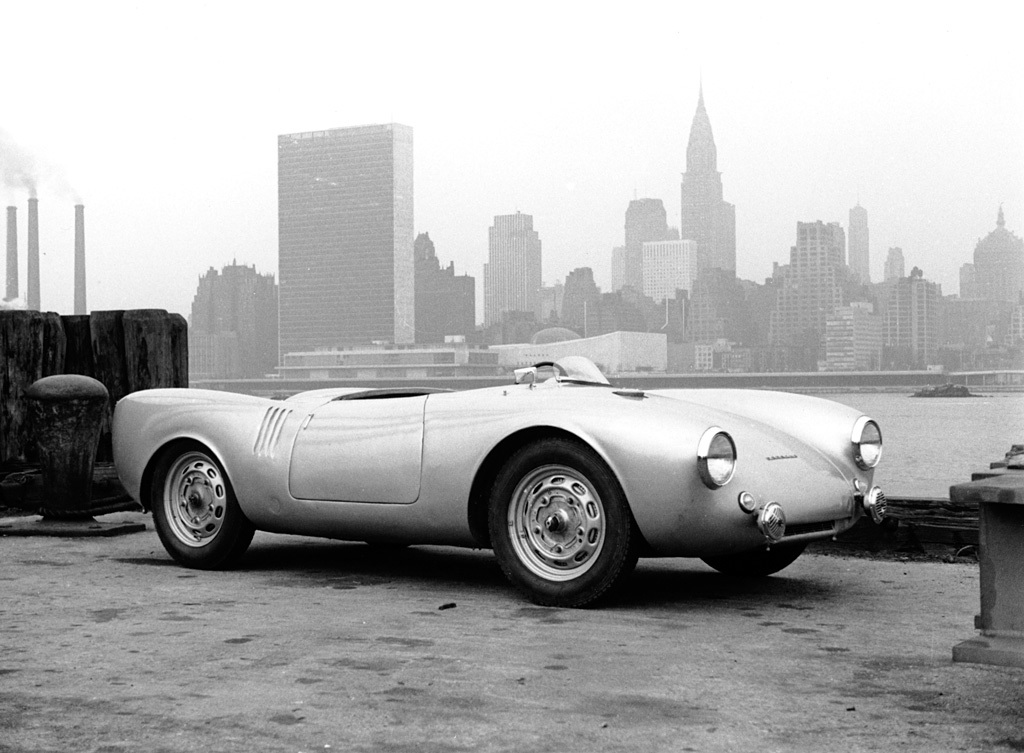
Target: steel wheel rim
<point x="195" y="499"/>
<point x="556" y="523"/>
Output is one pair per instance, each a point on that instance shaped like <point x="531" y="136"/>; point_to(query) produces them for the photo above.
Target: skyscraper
<point x="859" y="246"/>
<point x="646" y="220"/>
<point x="581" y="303"/>
<point x="233" y="327"/>
<point x="668" y="266"/>
<point x="895" y="266"/>
<point x="345" y="231"/>
<point x="808" y="291"/>
<point x="853" y="338"/>
<point x="911" y="321"/>
<point x="445" y="303"/>
<point x="512" y="274"/>
<point x="706" y="218"/>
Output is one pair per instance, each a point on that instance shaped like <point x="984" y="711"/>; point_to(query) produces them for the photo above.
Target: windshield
<point x="571" y="369"/>
<point x="580" y="369"/>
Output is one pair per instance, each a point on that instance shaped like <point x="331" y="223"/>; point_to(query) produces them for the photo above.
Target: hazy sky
<point x="162" y="119"/>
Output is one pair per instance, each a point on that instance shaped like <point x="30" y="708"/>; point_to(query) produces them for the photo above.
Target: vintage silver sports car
<point x="568" y="479"/>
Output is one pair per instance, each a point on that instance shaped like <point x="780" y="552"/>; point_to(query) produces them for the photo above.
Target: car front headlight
<point x="867" y="443"/>
<point x="716" y="458"/>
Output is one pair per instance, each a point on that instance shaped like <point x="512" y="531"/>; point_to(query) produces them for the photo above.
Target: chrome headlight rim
<point x="857" y="437"/>
<point x="712" y="478"/>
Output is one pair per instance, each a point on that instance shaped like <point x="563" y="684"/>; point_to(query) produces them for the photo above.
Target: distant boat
<point x="945" y="390"/>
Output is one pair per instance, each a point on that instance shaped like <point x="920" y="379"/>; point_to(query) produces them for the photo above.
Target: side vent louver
<point x="270" y="431"/>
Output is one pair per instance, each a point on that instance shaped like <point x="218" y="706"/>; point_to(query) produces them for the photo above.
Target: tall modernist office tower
<point x="858" y="244"/>
<point x="668" y="266"/>
<point x="512" y="274"/>
<point x="706" y="218"/>
<point x="345" y="234"/>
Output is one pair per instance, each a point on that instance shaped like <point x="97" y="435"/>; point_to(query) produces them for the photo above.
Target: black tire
<point x="194" y="508"/>
<point x="560" y="525"/>
<point x="758" y="563"/>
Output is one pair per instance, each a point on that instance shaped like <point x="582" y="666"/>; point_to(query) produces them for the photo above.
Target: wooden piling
<point x="156" y="349"/>
<point x="33" y="346"/>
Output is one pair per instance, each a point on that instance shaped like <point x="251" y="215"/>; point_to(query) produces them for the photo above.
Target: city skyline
<point x="185" y="177"/>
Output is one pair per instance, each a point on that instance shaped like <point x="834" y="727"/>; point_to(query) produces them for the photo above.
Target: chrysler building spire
<point x="706" y="218"/>
<point x="701" y="154"/>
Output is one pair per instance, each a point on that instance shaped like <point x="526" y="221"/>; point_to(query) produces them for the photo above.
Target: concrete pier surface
<point x="313" y="645"/>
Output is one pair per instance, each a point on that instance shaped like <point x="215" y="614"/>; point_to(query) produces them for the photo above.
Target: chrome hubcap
<point x="556" y="523"/>
<point x="194" y="499"/>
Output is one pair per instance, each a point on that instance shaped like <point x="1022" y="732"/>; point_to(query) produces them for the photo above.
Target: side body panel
<point x="360" y="451"/>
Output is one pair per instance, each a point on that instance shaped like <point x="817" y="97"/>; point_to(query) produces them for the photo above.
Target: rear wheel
<point x="757" y="563"/>
<point x="560" y="525"/>
<point x="194" y="508"/>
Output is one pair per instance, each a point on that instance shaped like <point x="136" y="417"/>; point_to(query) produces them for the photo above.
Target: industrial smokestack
<point x="80" y="259"/>
<point x="12" y="254"/>
<point x="32" y="294"/>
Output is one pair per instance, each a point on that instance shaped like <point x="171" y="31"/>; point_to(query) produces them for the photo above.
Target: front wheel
<point x="194" y="508"/>
<point x="560" y="525"/>
<point x="757" y="563"/>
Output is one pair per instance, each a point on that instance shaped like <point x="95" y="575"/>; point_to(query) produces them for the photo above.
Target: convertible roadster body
<point x="567" y="478"/>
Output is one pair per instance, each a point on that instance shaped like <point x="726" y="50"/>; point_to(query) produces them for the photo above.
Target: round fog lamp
<point x="771" y="521"/>
<point x="747" y="502"/>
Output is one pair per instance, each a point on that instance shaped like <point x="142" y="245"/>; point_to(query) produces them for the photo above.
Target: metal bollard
<point x="65" y="414"/>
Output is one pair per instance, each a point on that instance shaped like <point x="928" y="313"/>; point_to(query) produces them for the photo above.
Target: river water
<point x="930" y="444"/>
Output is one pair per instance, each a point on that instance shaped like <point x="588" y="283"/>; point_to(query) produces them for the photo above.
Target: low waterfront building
<point x="452" y="359"/>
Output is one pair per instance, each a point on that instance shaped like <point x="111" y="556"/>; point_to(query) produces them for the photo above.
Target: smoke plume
<point x="20" y="169"/>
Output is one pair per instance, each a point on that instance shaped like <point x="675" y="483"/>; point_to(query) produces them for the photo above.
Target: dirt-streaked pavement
<point x="312" y="645"/>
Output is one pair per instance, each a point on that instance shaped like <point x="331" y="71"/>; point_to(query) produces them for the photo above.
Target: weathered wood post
<point x="65" y="412"/>
<point x="32" y="344"/>
<point x="78" y="358"/>
<point x="106" y="331"/>
<point x="156" y="349"/>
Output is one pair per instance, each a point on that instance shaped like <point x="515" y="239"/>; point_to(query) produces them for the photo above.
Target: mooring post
<point x="66" y="413"/>
<point x="999" y="495"/>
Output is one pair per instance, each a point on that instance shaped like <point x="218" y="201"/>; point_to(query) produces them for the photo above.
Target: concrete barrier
<point x="999" y="495"/>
